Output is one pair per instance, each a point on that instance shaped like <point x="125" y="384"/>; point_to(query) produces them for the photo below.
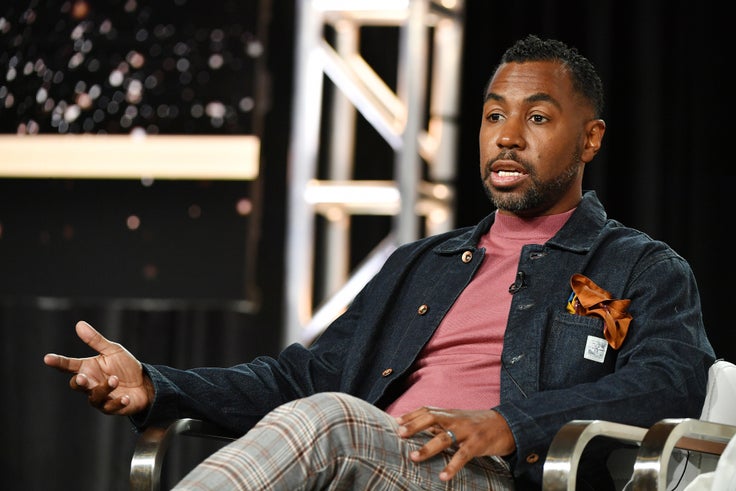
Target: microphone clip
<point x="518" y="284"/>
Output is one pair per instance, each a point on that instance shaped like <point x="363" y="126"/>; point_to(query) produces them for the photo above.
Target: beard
<point x="540" y="195"/>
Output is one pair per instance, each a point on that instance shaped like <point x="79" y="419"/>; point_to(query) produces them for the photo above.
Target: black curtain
<point x="664" y="169"/>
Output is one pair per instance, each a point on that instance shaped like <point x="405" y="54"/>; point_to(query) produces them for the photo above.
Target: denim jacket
<point x="659" y="371"/>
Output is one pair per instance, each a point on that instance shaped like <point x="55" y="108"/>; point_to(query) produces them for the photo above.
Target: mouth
<point x="506" y="173"/>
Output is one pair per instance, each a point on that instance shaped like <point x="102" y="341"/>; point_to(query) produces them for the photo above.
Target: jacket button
<point x="467" y="256"/>
<point x="532" y="458"/>
<point x="423" y="309"/>
<point x="387" y="372"/>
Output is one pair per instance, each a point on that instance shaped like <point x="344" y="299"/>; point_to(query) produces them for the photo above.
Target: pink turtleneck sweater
<point x="460" y="367"/>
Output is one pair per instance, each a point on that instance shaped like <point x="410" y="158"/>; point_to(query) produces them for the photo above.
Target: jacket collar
<point x="577" y="235"/>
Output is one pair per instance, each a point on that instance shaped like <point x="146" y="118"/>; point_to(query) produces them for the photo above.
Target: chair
<point x="700" y="441"/>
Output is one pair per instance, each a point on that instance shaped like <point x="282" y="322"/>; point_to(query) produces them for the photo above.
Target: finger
<point x="94" y="339"/>
<point x="99" y="395"/>
<point x="419" y="412"/>
<point x="115" y="405"/>
<point x="420" y="420"/>
<point x="62" y="363"/>
<point x="113" y="381"/>
<point x="435" y="429"/>
<point x="102" y="398"/>
<point x="82" y="382"/>
<point x="78" y="382"/>
<point x="457" y="462"/>
<point x="437" y="444"/>
<point x="406" y="417"/>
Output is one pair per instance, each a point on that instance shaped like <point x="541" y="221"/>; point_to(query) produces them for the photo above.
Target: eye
<point x="494" y="117"/>
<point x="538" y="119"/>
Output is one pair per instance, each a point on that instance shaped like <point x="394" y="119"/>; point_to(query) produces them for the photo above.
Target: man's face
<point x="536" y="136"/>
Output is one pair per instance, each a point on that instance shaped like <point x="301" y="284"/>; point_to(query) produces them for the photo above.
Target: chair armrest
<point x="561" y="466"/>
<point x="154" y="441"/>
<point x="650" y="467"/>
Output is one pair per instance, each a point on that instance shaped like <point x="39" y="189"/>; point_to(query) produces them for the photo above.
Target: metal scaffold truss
<point x="417" y="118"/>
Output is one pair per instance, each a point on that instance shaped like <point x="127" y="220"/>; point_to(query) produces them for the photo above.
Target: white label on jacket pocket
<point x="595" y="349"/>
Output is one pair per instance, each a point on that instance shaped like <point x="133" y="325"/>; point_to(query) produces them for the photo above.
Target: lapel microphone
<point x="518" y="283"/>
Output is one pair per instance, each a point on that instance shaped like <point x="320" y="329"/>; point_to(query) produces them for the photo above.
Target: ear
<point x="594" y="130"/>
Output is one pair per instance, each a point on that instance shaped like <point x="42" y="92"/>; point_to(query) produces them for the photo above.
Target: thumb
<point x="94" y="339"/>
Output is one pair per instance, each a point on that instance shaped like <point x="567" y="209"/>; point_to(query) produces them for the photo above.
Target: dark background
<point x="665" y="168"/>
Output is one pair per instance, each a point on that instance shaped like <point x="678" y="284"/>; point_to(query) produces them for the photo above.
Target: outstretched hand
<point x="476" y="433"/>
<point x="113" y="380"/>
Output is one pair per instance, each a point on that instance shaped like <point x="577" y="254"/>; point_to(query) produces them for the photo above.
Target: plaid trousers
<point x="334" y="441"/>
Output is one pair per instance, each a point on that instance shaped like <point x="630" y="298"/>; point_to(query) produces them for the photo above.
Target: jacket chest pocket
<point x="575" y="352"/>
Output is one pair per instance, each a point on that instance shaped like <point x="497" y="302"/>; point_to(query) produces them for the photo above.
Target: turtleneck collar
<point x="533" y="229"/>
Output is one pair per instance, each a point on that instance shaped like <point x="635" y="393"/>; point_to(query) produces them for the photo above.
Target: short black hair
<point x="585" y="79"/>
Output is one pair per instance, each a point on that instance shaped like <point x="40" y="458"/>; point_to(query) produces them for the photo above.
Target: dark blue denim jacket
<point x="659" y="371"/>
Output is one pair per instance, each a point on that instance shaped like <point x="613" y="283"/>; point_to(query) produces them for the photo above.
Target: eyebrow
<point x="538" y="97"/>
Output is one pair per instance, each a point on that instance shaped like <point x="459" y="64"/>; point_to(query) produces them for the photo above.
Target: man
<point x="440" y="375"/>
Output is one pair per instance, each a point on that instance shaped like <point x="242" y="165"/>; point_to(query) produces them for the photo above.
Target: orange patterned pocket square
<point x="587" y="298"/>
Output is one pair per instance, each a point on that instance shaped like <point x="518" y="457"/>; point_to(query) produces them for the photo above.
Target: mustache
<point x="506" y="155"/>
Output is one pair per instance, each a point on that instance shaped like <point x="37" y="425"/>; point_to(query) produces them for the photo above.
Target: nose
<point x="510" y="134"/>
